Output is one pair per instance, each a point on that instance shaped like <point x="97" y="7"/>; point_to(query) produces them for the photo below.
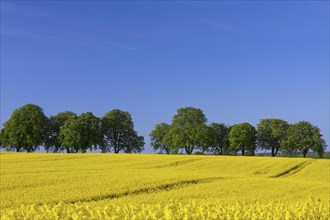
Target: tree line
<point x="28" y="128"/>
<point x="189" y="131"/>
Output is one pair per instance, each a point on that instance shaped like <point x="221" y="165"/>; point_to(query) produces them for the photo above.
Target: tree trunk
<point x="304" y="152"/>
<point x="188" y="150"/>
<point x="116" y="149"/>
<point x="243" y="152"/>
<point x="291" y="153"/>
<point x="276" y="151"/>
<point x="273" y="152"/>
<point x="67" y="150"/>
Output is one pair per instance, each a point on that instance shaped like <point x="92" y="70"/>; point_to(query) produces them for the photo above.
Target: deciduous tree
<point x="119" y="134"/>
<point x="270" y="133"/>
<point x="26" y="129"/>
<point x="189" y="129"/>
<point x="303" y="137"/>
<point x="81" y="133"/>
<point x="53" y="143"/>
<point x="218" y="140"/>
<point x="160" y="139"/>
<point x="242" y="137"/>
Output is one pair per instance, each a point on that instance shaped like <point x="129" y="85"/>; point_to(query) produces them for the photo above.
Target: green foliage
<point x="270" y="133"/>
<point x="135" y="145"/>
<point x="4" y="140"/>
<point x="189" y="129"/>
<point x="303" y="137"/>
<point x="119" y="134"/>
<point x="25" y="130"/>
<point x="160" y="139"/>
<point x="242" y="137"/>
<point x="80" y="133"/>
<point x="53" y="142"/>
<point x="218" y="140"/>
<point x="28" y="128"/>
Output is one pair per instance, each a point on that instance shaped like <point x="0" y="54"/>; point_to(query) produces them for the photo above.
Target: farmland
<point x="118" y="186"/>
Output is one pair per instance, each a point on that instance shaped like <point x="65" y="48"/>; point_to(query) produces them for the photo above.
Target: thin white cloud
<point x="78" y="32"/>
<point x="66" y="33"/>
<point x="186" y="27"/>
<point x="15" y="32"/>
<point x="22" y="10"/>
<point x="216" y="24"/>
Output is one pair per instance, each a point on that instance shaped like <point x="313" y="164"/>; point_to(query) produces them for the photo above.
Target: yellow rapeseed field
<point x="108" y="186"/>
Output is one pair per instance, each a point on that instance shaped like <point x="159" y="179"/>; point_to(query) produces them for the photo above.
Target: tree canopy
<point x="160" y="139"/>
<point x="119" y="134"/>
<point x="303" y="137"/>
<point x="189" y="129"/>
<point x="218" y="140"/>
<point x="53" y="142"/>
<point x="242" y="138"/>
<point x="270" y="133"/>
<point x="26" y="129"/>
<point x="81" y="133"/>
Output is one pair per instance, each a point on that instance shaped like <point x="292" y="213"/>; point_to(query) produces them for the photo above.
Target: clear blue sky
<point x="238" y="61"/>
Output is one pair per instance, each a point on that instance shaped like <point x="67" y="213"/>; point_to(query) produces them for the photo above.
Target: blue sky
<point x="238" y="61"/>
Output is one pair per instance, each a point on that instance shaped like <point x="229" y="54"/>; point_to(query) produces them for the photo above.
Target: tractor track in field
<point x="147" y="190"/>
<point x="176" y="163"/>
<point x="293" y="170"/>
